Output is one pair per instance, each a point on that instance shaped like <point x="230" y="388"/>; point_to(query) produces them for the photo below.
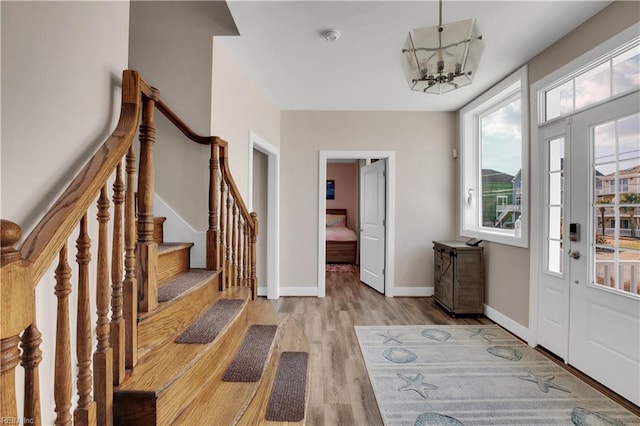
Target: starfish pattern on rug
<point x="416" y="384"/>
<point x="391" y="338"/>
<point x="543" y="382"/>
<point x="477" y="332"/>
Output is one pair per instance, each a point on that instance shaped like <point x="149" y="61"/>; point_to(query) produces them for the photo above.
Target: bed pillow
<point x="336" y="220"/>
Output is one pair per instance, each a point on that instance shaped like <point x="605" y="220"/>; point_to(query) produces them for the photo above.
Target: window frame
<point x="471" y="169"/>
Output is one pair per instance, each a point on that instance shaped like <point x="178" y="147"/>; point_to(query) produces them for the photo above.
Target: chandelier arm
<point x="416" y="57"/>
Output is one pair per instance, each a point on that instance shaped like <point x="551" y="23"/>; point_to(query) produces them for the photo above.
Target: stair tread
<point x="182" y="283"/>
<point x="164" y="248"/>
<point x="293" y="340"/>
<point x="225" y="402"/>
<point x="158" y="368"/>
<point x="173" y="316"/>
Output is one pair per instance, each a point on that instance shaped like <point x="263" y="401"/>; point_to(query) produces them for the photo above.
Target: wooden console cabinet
<point x="459" y="277"/>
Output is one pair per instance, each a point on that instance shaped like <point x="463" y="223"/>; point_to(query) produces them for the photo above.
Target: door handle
<point x="574" y="254"/>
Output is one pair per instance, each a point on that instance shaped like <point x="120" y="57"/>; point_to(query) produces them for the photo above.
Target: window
<point x="494" y="166"/>
<point x="613" y="74"/>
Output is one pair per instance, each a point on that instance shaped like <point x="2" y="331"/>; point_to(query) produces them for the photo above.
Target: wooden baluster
<point x="245" y="263"/>
<point x="234" y="246"/>
<point x="213" y="238"/>
<point x="229" y="263"/>
<point x="241" y="259"/>
<point x="223" y="230"/>
<point x="62" y="370"/>
<point x="31" y="357"/>
<point x="103" y="356"/>
<point x="85" y="412"/>
<point x="18" y="289"/>
<point x="240" y="239"/>
<point x="130" y="284"/>
<point x="147" y="250"/>
<point x="9" y="359"/>
<point x="254" y="236"/>
<point x="117" y="260"/>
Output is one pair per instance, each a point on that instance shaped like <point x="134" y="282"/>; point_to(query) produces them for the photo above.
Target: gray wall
<point x="171" y="45"/>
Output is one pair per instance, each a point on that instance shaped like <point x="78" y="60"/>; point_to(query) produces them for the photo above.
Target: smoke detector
<point x="330" y="34"/>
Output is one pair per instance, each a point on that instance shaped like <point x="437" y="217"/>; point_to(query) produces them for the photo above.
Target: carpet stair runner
<point x="291" y="339"/>
<point x="225" y="372"/>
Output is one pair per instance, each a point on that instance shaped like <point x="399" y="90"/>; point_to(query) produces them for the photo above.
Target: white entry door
<point x="604" y="334"/>
<point x="372" y="224"/>
<point x="589" y="292"/>
<point x="553" y="288"/>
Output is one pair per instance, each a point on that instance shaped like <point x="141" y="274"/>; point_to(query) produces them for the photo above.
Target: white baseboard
<point x="413" y="291"/>
<point x="262" y="291"/>
<point x="506" y="322"/>
<point x="299" y="291"/>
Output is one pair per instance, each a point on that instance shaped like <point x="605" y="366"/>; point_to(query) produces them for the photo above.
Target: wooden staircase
<point x="146" y="295"/>
<point x="182" y="384"/>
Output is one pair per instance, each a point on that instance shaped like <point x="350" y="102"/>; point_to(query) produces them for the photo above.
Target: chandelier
<point x="443" y="58"/>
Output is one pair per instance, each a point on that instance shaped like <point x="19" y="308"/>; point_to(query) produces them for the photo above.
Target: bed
<point x="341" y="242"/>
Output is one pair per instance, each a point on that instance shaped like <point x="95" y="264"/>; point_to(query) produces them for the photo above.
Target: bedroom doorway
<point x="344" y="251"/>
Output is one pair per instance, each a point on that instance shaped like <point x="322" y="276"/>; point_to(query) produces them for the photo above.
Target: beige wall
<point x="425" y="190"/>
<point x="260" y="168"/>
<point x="240" y="107"/>
<point x="171" y="45"/>
<point x="507" y="267"/>
<point x="346" y="178"/>
<point x="62" y="65"/>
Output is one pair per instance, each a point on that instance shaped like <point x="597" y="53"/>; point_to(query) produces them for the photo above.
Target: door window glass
<point x="617" y="204"/>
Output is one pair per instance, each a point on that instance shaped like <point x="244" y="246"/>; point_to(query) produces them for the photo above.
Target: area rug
<point x="475" y="375"/>
<point x="339" y="267"/>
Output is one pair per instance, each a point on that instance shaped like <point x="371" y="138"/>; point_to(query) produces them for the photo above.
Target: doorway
<point x="589" y="286"/>
<point x="388" y="208"/>
<point x="264" y="198"/>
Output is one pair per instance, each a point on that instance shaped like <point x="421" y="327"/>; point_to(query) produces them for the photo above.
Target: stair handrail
<point x="215" y="239"/>
<point x="129" y="285"/>
<point x="205" y="140"/>
<point x="44" y="242"/>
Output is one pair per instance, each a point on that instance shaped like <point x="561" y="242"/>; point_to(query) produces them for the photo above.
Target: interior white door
<point x="372" y="224"/>
<point x="553" y="288"/>
<point x="604" y="188"/>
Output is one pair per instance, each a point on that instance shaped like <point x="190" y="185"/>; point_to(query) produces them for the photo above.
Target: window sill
<point x="500" y="237"/>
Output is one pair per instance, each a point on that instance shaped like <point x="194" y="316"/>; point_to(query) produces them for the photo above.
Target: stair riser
<point x="166" y="323"/>
<point x="186" y="388"/>
<point x="172" y="264"/>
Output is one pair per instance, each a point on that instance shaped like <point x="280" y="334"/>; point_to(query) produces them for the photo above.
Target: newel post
<point x="146" y="250"/>
<point x="17" y="304"/>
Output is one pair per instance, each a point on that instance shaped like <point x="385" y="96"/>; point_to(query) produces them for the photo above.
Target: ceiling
<point x="281" y="49"/>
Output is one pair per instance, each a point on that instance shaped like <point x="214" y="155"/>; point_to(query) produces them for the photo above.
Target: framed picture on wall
<point x="331" y="189"/>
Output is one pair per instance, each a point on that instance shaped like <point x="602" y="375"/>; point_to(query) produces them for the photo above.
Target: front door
<point x="604" y="332"/>
<point x="372" y="224"/>
<point x="589" y="293"/>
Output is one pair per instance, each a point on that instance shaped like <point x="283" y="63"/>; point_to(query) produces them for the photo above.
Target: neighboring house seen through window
<point x="493" y="171"/>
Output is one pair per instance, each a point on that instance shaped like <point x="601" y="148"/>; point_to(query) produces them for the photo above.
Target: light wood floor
<point x="341" y="393"/>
